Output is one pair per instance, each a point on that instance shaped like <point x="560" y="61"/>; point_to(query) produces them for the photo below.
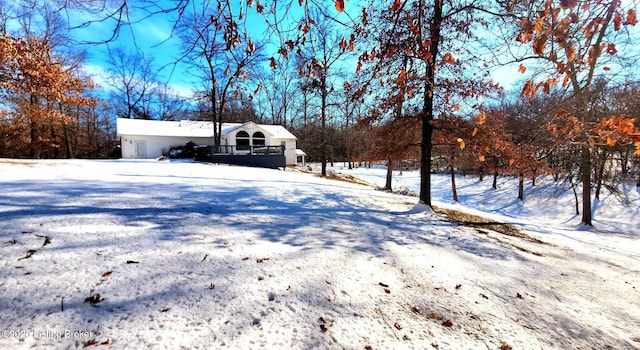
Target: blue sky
<point x="154" y="37"/>
<point x="151" y="35"/>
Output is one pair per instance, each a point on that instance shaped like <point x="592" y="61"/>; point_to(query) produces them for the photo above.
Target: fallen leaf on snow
<point x="89" y="343"/>
<point x="505" y="346"/>
<point x="458" y="286"/>
<point x="105" y="274"/>
<point x="519" y="296"/>
<point x="47" y="239"/>
<point x="30" y="252"/>
<point x="397" y="325"/>
<point x="324" y="324"/>
<point x="447" y="323"/>
<point x="94" y="299"/>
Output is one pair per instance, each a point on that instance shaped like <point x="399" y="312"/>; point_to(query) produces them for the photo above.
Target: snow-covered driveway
<point x="145" y="254"/>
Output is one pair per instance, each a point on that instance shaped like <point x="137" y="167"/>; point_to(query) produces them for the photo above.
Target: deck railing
<point x="247" y="149"/>
<point x="209" y="150"/>
<point x="256" y="156"/>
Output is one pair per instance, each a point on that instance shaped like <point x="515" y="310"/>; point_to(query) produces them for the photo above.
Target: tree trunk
<point x="323" y="121"/>
<point x="32" y="141"/>
<point x="67" y="141"/>
<point x="600" y="174"/>
<point x="521" y="187"/>
<point x="454" y="190"/>
<point x="32" y="132"/>
<point x="624" y="162"/>
<point x="387" y="185"/>
<point x="56" y="150"/>
<point x="427" y="110"/>
<point x="575" y="196"/>
<point x="214" y="119"/>
<point x="495" y="178"/>
<point x="585" y="167"/>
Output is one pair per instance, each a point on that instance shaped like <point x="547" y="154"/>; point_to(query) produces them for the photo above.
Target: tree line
<point x="392" y="81"/>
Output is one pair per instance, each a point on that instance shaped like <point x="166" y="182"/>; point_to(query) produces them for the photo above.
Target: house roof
<point x="188" y="128"/>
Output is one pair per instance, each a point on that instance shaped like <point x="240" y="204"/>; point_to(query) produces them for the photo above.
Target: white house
<point x="149" y="139"/>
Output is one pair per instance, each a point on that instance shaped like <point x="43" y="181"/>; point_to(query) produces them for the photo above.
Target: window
<point x="258" y="139"/>
<point x="242" y="141"/>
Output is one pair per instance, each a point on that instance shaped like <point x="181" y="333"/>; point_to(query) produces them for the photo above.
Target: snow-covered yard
<point x="145" y="254"/>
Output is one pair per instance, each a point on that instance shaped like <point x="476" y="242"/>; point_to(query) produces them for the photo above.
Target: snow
<point x="181" y="254"/>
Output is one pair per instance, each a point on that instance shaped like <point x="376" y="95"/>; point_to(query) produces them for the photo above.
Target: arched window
<point x="258" y="139"/>
<point x="242" y="141"/>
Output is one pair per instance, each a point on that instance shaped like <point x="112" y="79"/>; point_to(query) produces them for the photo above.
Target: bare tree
<point x="279" y="92"/>
<point x="320" y="65"/>
<point x="214" y="44"/>
<point x="132" y="76"/>
<point x="168" y="104"/>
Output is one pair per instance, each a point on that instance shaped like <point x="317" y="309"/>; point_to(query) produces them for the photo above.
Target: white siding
<point x="155" y="145"/>
<point x="289" y="149"/>
<point x="150" y="138"/>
